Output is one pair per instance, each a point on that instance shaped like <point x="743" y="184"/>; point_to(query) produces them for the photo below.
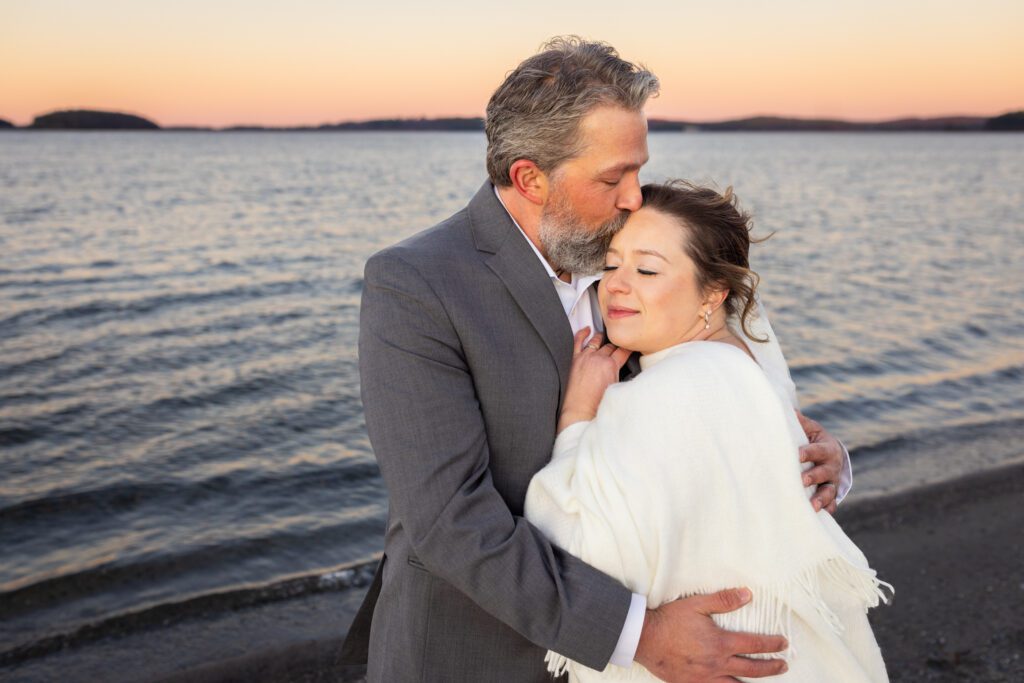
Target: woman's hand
<point x="594" y="369"/>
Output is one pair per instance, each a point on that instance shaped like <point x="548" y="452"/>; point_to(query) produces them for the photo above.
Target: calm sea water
<point x="179" y="396"/>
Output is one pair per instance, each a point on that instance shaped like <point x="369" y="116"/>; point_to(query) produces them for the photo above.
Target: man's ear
<point x="529" y="181"/>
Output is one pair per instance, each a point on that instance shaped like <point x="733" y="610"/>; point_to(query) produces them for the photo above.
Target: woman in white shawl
<point x="686" y="479"/>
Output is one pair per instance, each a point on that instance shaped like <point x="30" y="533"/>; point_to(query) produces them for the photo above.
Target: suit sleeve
<point x="428" y="434"/>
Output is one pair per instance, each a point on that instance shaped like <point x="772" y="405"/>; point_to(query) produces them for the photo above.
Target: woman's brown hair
<point x="717" y="240"/>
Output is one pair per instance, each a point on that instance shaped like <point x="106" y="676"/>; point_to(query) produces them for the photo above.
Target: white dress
<point x="687" y="482"/>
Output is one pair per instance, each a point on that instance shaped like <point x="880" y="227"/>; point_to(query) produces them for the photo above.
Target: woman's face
<point x="649" y="294"/>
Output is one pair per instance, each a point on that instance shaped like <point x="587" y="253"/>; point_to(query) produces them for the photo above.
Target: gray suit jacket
<point x="464" y="352"/>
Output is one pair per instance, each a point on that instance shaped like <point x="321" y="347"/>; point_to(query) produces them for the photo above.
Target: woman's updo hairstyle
<point x="717" y="240"/>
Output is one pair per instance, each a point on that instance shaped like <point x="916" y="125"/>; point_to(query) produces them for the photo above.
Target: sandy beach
<point x="955" y="553"/>
<point x="953" y="550"/>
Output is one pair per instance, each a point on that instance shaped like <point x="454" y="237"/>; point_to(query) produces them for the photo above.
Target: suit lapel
<point x="513" y="260"/>
<point x="631" y="368"/>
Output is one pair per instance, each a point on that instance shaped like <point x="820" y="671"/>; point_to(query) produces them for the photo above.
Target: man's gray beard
<point x="572" y="247"/>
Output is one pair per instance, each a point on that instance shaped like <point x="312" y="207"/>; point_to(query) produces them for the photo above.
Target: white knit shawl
<point x="688" y="481"/>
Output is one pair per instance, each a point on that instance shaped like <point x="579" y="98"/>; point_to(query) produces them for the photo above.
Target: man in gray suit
<point x="466" y="336"/>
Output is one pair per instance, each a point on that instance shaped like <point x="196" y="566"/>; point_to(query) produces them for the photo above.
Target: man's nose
<point x="630" y="198"/>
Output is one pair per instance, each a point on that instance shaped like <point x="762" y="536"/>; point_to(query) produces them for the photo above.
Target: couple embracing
<point x="648" y="508"/>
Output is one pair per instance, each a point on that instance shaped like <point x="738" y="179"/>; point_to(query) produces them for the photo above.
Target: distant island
<point x="1012" y="121"/>
<point x="4" y="123"/>
<point x="84" y="119"/>
<point x="778" y="123"/>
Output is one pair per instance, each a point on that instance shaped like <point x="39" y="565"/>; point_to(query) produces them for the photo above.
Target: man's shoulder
<point x="442" y="243"/>
<point x="463" y="240"/>
<point x="443" y="257"/>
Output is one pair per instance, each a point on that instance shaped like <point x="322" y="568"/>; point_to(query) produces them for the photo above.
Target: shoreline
<point x="952" y="549"/>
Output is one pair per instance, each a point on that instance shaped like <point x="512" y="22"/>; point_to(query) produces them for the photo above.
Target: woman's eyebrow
<point x="650" y="252"/>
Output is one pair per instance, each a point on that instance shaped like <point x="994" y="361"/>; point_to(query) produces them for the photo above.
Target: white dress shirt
<point x="579" y="300"/>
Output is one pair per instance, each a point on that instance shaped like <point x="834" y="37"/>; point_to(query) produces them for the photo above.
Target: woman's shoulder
<point x="703" y="358"/>
<point x="699" y="373"/>
<point x="693" y="368"/>
<point x="704" y="381"/>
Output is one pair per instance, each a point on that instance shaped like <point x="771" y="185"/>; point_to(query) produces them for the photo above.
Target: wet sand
<point x="955" y="553"/>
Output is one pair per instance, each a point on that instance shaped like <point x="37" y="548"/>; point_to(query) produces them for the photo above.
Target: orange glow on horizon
<point x="262" y="63"/>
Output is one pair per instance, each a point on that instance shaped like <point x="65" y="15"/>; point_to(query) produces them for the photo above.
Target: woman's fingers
<point x="617" y="354"/>
<point x="620" y="356"/>
<point x="581" y="336"/>
<point x="581" y="343"/>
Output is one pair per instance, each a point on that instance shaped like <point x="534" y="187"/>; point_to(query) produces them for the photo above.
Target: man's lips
<point x="616" y="312"/>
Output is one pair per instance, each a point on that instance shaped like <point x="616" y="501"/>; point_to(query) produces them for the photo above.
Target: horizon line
<point x="905" y="117"/>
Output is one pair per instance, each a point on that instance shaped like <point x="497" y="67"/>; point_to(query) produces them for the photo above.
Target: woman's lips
<point x="616" y="312"/>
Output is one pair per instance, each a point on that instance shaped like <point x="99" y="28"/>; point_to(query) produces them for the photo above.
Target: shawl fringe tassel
<point x="770" y="611"/>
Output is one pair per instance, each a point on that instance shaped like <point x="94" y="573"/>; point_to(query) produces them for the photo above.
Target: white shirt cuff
<point x="845" y="477"/>
<point x="629" y="639"/>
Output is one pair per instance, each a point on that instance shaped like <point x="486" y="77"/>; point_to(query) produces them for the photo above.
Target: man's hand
<point x="825" y="451"/>
<point x="680" y="643"/>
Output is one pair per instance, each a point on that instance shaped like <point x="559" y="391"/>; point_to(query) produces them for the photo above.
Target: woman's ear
<point x="714" y="298"/>
<point x="529" y="181"/>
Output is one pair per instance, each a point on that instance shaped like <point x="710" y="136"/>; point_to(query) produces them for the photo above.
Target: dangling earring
<point x="707" y="319"/>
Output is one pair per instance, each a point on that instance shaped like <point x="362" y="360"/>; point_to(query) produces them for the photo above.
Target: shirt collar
<point x="577" y="280"/>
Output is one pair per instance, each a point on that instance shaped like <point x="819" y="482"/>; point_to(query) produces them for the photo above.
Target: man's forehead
<point x="615" y="139"/>
<point x="625" y="166"/>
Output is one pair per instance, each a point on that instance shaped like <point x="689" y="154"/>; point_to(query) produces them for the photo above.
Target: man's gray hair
<point x="536" y="113"/>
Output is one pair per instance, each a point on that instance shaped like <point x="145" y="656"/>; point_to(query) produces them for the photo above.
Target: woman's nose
<point x="616" y="281"/>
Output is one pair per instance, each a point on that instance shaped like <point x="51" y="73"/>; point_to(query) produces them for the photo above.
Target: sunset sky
<point x="223" y="62"/>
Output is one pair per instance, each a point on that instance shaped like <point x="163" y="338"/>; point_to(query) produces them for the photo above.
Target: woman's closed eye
<point x="642" y="271"/>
